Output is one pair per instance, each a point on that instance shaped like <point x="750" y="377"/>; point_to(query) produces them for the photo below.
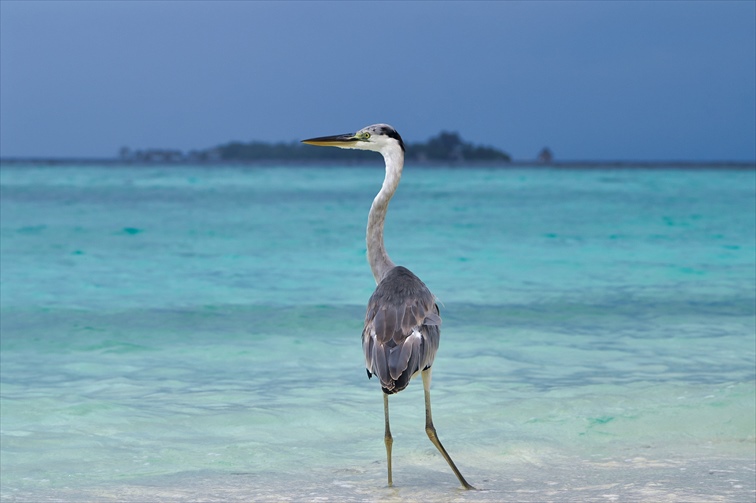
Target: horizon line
<point x="60" y="160"/>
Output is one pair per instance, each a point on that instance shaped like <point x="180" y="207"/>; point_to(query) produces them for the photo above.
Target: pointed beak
<point x="339" y="140"/>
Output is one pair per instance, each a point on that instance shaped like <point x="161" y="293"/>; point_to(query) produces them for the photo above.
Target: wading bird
<point x="402" y="324"/>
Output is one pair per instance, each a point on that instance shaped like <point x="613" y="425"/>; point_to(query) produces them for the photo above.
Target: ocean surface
<point x="192" y="333"/>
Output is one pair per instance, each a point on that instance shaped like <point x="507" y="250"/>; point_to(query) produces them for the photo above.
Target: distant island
<point x="446" y="147"/>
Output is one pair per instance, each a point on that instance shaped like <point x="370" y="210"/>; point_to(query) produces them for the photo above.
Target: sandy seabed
<point x="631" y="480"/>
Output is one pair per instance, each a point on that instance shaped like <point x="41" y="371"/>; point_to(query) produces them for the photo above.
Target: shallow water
<point x="192" y="333"/>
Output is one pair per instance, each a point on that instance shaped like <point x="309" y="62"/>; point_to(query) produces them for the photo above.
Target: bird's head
<point x="378" y="137"/>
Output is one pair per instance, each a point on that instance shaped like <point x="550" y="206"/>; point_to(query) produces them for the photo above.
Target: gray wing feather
<point x="401" y="332"/>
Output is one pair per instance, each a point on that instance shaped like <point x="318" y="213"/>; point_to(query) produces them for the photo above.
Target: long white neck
<point x="379" y="261"/>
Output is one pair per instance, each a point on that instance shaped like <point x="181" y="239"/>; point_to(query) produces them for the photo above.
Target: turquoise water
<point x="193" y="334"/>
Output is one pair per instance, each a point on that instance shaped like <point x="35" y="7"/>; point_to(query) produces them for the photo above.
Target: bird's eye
<point x="365" y="136"/>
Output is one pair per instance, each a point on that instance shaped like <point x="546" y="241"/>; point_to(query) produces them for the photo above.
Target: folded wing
<point x="402" y="330"/>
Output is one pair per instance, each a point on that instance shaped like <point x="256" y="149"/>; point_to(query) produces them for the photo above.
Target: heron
<point x="402" y="323"/>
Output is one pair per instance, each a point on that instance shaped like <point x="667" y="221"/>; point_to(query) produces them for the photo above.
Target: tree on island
<point x="546" y="156"/>
<point x="449" y="146"/>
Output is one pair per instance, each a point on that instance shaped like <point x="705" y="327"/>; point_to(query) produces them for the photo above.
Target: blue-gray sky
<point x="591" y="80"/>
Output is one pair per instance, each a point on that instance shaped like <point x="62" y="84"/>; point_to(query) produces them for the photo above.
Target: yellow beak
<point x="339" y="140"/>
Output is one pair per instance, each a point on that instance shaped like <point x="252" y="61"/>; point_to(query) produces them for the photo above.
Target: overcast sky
<point x="591" y="80"/>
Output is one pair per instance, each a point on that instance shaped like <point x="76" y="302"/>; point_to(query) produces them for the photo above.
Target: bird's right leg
<point x="387" y="438"/>
<point x="431" y="430"/>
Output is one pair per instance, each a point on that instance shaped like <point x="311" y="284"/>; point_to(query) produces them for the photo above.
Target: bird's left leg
<point x="387" y="437"/>
<point x="431" y="430"/>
